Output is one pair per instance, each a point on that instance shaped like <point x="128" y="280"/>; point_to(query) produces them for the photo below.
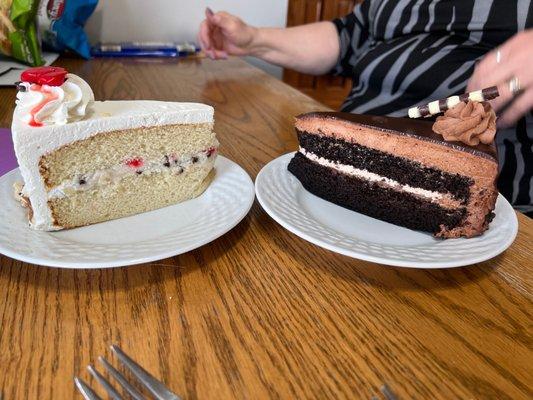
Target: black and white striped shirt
<point x="402" y="53"/>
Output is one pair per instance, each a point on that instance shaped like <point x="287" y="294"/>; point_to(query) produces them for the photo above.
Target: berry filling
<point x="131" y="166"/>
<point x="135" y="163"/>
<point x="210" y="151"/>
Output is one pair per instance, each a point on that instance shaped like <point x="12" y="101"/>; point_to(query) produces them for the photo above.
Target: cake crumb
<point x="23" y="200"/>
<point x="17" y="191"/>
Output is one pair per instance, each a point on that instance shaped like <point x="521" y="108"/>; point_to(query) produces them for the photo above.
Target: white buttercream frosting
<point x="54" y="105"/>
<point x="371" y="176"/>
<point x="31" y="143"/>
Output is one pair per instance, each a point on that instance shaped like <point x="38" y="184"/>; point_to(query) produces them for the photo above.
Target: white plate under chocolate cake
<point x="400" y="170"/>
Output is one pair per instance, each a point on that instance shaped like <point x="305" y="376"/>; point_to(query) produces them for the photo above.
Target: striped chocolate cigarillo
<point x="438" y="106"/>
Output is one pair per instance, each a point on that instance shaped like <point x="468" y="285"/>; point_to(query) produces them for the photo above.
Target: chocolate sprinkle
<point x="166" y="163"/>
<point x="82" y="181"/>
<point x="194" y="160"/>
<point x="138" y="172"/>
<point x="424" y="110"/>
<point x="490" y="93"/>
<point x="463" y="97"/>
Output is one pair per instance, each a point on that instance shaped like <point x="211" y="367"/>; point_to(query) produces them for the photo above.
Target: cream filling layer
<point x="111" y="176"/>
<point x="372" y="177"/>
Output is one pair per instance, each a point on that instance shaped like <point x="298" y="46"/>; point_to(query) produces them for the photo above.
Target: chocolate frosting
<point x="406" y="127"/>
<point x="470" y="123"/>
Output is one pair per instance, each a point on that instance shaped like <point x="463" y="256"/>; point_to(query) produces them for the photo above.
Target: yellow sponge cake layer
<point x="131" y="195"/>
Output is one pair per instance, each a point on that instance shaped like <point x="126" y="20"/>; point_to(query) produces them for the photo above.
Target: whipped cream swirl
<point x="54" y="105"/>
<point x="470" y="123"/>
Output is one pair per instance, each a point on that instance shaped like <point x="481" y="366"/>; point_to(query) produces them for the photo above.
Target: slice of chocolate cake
<point x="400" y="170"/>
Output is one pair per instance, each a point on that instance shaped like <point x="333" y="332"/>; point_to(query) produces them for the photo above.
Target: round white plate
<point x="346" y="232"/>
<point x="137" y="239"/>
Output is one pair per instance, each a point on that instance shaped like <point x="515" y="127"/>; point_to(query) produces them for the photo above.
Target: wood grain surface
<point x="260" y="313"/>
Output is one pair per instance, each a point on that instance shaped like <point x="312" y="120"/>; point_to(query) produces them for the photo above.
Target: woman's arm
<point x="312" y="48"/>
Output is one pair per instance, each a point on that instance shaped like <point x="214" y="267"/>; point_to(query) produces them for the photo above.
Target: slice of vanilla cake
<point x="86" y="161"/>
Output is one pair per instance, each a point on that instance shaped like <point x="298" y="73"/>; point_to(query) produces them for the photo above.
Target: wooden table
<point x="261" y="313"/>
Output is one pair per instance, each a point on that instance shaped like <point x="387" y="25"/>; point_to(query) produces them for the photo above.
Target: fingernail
<point x="224" y="55"/>
<point x="209" y="11"/>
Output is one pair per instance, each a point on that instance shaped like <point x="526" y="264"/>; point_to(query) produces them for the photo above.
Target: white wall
<point x="176" y="20"/>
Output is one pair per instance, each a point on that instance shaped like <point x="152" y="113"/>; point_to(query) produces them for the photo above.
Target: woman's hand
<point x="311" y="49"/>
<point x="512" y="61"/>
<point x="222" y="34"/>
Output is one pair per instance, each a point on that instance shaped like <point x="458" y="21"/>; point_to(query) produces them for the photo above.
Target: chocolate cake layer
<point x="402" y="170"/>
<point x="359" y="195"/>
<point x="404" y="127"/>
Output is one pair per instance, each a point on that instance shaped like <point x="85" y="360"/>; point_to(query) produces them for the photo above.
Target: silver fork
<point x="387" y="392"/>
<point x="155" y="387"/>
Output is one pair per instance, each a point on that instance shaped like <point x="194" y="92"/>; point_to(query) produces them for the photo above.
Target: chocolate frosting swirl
<point x="470" y="123"/>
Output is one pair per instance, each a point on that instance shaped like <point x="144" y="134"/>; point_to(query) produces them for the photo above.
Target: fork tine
<point x="160" y="391"/>
<point x="105" y="383"/>
<point x="85" y="390"/>
<point x="128" y="387"/>
<point x="388" y="393"/>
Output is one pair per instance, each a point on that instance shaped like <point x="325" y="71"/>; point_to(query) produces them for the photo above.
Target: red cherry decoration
<point x="51" y="76"/>
<point x="136" y="162"/>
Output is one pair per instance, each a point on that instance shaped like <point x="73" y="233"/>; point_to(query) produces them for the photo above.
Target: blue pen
<point x="144" y="49"/>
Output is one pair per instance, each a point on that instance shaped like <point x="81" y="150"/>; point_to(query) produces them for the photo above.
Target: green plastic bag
<point x="18" y="31"/>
